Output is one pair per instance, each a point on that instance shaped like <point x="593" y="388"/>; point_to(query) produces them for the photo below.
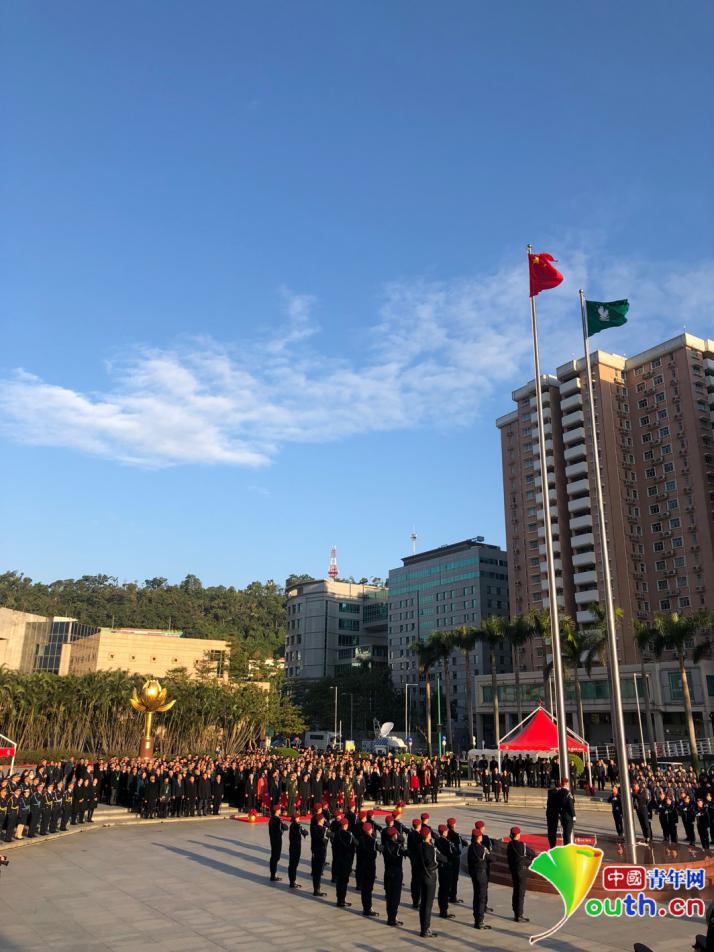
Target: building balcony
<point x="584" y="617"/>
<point x="560" y="601"/>
<point x="574" y="436"/>
<point x="538" y="481"/>
<point x="551" y="496"/>
<point x="584" y="541"/>
<point x="581" y="522"/>
<point x="578" y="486"/>
<point x="554" y="527"/>
<point x="556" y="547"/>
<point x="576" y="470"/>
<point x="587" y="596"/>
<point x="574" y="453"/>
<point x="548" y="448"/>
<point x="547" y="429"/>
<point x="573" y="418"/>
<point x="574" y="402"/>
<point x="582" y="559"/>
<point x="586" y="578"/>
<point x="581" y="504"/>
<point x="558" y="565"/>
<point x="570" y="387"/>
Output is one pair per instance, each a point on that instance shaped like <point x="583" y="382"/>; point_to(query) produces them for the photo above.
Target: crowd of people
<point x="356" y="839"/>
<point x="671" y="794"/>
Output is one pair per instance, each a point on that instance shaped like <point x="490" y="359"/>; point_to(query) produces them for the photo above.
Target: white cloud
<point x="435" y="355"/>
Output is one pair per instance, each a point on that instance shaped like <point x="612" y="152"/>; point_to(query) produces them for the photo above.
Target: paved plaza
<point x="191" y="886"/>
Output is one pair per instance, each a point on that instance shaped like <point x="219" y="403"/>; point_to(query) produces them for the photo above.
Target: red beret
<point x="318" y="808"/>
<point x="392" y="831"/>
<point x="477" y="831"/>
<point x="515" y="830"/>
<point x="416" y="821"/>
<point x="425" y="831"/>
<point x="362" y="814"/>
<point x="443" y="828"/>
<point x="479" y="825"/>
<point x="344" y="824"/>
<point x="294" y="817"/>
<point x="370" y="812"/>
<point x="424" y="817"/>
<point x="451" y="821"/>
<point x="366" y="827"/>
<point x="339" y="816"/>
<point x="276" y="806"/>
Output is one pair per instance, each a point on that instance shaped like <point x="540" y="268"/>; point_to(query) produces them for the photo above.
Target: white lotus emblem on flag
<point x="603" y="313"/>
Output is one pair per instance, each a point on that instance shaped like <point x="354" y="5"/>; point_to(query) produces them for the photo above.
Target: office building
<point x="445" y="588"/>
<point x="334" y="627"/>
<point x="34" y="642"/>
<point x="150" y="652"/>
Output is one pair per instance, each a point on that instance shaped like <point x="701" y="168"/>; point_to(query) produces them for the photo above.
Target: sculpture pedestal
<point x="146" y="750"/>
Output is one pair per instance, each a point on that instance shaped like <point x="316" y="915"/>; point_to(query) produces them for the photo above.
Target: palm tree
<point x="540" y="620"/>
<point x="491" y="633"/>
<point x="442" y="642"/>
<point x="465" y="639"/>
<point x="643" y="637"/>
<point x="580" y="649"/>
<point x="520" y="630"/>
<point x="426" y="659"/>
<point x="678" y="633"/>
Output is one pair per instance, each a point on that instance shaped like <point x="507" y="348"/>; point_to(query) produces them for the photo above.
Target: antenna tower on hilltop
<point x="333" y="571"/>
<point x="413" y="537"/>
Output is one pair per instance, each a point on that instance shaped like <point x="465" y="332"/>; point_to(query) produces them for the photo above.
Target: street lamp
<point x="406" y="713"/>
<point x="334" y="688"/>
<point x="351" y="696"/>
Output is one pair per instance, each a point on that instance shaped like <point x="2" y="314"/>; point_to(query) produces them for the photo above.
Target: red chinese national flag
<point x="543" y="275"/>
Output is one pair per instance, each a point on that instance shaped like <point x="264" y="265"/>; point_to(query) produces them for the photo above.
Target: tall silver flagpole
<point x="563" y="763"/>
<point x="618" y="719"/>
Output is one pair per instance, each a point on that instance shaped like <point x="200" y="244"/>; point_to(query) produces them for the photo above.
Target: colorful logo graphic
<point x="571" y="870"/>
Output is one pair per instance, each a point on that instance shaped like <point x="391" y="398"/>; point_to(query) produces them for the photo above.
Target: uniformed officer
<point x="519" y="858"/>
<point x="445" y="847"/>
<point x="35" y="810"/>
<point x="367" y="849"/>
<point x="67" y="800"/>
<point x="343" y="854"/>
<point x="456" y="844"/>
<point x="477" y="857"/>
<point x="319" y="837"/>
<point x="295" y="835"/>
<point x="615" y="802"/>
<point x="431" y="860"/>
<point x="393" y="853"/>
<point x="276" y="828"/>
<point x="56" y="810"/>
<point x="414" y="853"/>
<point x="48" y="798"/>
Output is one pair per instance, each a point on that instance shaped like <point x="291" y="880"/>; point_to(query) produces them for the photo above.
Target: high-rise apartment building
<point x="445" y="588"/>
<point x="333" y="627"/>
<point x="655" y="420"/>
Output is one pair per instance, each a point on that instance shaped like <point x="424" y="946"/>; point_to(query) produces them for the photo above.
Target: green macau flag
<point x="604" y="314"/>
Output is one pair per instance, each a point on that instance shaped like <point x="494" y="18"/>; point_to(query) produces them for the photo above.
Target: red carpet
<point x="539" y="843"/>
<point x="243" y="817"/>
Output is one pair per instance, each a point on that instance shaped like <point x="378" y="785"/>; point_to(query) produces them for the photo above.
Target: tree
<point x="682" y="635"/>
<point x="643" y="637"/>
<point x="465" y="640"/>
<point x="540" y="620"/>
<point x="520" y="630"/>
<point x="492" y="633"/>
<point x="442" y="642"/>
<point x="580" y="649"/>
<point x="426" y="659"/>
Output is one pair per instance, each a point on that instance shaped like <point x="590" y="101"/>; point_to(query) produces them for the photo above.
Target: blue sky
<point x="262" y="272"/>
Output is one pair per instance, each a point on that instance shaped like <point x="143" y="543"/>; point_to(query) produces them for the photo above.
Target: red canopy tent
<point x="539" y="732"/>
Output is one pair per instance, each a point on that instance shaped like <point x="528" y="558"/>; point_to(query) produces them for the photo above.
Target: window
<point x="663" y="431"/>
<point x="650" y="472"/>
<point x="657" y="362"/>
<point x="349" y="607"/>
<point x="658" y="381"/>
<point x="678" y="543"/>
<point x="670" y="485"/>
<point x="646" y="437"/>
<point x="664" y="605"/>
<point x="662" y="414"/>
<point x="654" y="510"/>
<point x="666" y="449"/>
<point x="660" y="565"/>
<point x="644" y="421"/>
<point x="675" y="523"/>
<point x="642" y="404"/>
<point x="680" y="562"/>
<point x="348" y="624"/>
<point x="673" y="504"/>
<point x="648" y="455"/>
<point x="669" y="467"/>
<point x="656" y="526"/>
<point x="662" y="585"/>
<point x="652" y="491"/>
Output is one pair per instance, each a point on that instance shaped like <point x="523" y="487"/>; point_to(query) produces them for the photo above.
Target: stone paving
<point x="202" y="885"/>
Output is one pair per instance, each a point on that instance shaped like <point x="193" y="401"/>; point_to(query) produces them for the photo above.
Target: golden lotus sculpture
<point x="151" y="700"/>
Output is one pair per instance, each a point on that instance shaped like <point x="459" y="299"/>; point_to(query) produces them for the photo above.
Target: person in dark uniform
<point x="552" y="814"/>
<point x="67" y="800"/>
<point x="519" y="858"/>
<point x="640" y="799"/>
<point x="567" y="811"/>
<point x="92" y="799"/>
<point x="456" y="844"/>
<point x="318" y="845"/>
<point x="295" y="835"/>
<point x="217" y="793"/>
<point x="445" y="847"/>
<point x="48" y="798"/>
<point x="56" y="810"/>
<point x="23" y="813"/>
<point x="669" y="819"/>
<point x="343" y="854"/>
<point x="701" y="817"/>
<point x="414" y="853"/>
<point x="615" y="802"/>
<point x="35" y="811"/>
<point x="430" y="859"/>
<point x="687" y="812"/>
<point x="276" y="828"/>
<point x="367" y="849"/>
<point x="393" y="853"/>
<point x="477" y="858"/>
